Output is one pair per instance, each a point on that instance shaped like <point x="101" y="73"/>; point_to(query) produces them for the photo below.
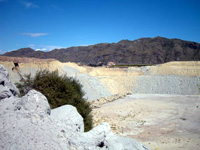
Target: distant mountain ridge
<point x="142" y="51"/>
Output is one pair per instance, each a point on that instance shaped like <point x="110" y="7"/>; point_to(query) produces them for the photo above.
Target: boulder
<point x="67" y="116"/>
<point x="29" y="123"/>
<point x="7" y="89"/>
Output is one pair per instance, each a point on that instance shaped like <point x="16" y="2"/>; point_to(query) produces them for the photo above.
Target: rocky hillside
<point x="28" y="123"/>
<point x="111" y="83"/>
<point x="142" y="51"/>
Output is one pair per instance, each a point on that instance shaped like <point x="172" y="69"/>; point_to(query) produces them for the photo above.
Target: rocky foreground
<point x="28" y="123"/>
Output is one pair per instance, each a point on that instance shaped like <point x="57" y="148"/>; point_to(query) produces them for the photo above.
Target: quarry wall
<point x="28" y="122"/>
<point x="170" y="78"/>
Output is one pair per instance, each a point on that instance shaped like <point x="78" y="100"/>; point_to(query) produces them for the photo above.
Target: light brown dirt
<point x="180" y="68"/>
<point x="24" y="59"/>
<point x="163" y="122"/>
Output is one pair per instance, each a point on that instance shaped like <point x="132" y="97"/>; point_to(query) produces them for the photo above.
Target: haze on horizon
<point x="45" y="25"/>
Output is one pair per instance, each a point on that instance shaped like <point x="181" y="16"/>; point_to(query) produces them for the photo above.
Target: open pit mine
<point x="157" y="105"/>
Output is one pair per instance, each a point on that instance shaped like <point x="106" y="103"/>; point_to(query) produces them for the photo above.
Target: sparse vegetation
<point x="133" y="65"/>
<point x="59" y="90"/>
<point x="156" y="50"/>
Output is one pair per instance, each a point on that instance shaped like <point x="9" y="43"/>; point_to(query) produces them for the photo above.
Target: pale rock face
<point x="66" y="116"/>
<point x="29" y="123"/>
<point x="7" y="89"/>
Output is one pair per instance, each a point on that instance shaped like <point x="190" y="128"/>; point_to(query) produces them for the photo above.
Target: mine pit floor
<point x="162" y="122"/>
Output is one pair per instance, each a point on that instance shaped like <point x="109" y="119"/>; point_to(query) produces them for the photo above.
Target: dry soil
<point x="163" y="122"/>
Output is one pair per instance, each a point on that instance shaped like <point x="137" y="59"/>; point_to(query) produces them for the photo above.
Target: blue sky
<point x="49" y="24"/>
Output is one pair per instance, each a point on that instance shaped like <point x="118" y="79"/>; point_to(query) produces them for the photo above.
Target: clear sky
<point x="49" y="24"/>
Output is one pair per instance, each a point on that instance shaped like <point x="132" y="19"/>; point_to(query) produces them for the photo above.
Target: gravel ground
<point x="162" y="122"/>
<point x="167" y="84"/>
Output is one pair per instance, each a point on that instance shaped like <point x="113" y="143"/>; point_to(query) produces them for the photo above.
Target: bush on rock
<point x="59" y="90"/>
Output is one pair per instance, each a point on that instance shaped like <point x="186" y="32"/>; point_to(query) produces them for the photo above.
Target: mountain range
<point x="141" y="51"/>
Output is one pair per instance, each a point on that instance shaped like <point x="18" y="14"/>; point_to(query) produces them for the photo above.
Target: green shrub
<point x="59" y="90"/>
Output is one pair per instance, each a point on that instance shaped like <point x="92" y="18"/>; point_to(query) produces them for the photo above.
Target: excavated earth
<point x="162" y="108"/>
<point x="28" y="122"/>
<point x="163" y="122"/>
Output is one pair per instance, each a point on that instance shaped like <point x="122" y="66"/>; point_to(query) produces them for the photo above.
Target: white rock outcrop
<point x="28" y="123"/>
<point x="7" y="89"/>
